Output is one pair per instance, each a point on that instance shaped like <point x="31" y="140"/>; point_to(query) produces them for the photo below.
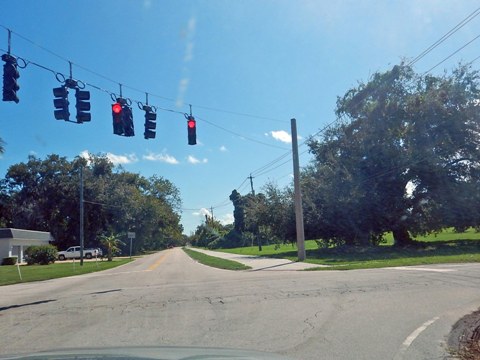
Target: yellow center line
<point x="157" y="263"/>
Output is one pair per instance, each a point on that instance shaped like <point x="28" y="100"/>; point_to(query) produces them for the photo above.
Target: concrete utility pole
<point x="81" y="215"/>
<point x="298" y="195"/>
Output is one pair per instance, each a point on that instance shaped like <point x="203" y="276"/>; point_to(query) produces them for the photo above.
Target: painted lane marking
<point x="412" y="268"/>
<point x="157" y="263"/>
<point x="411" y="338"/>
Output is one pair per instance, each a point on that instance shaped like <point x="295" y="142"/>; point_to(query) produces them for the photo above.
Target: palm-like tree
<point x="111" y="244"/>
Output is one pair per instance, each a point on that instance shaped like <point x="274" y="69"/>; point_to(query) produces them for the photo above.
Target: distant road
<point x="168" y="299"/>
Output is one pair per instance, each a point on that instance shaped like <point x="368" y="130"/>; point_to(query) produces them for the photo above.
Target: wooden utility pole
<point x="81" y="215"/>
<point x="251" y="184"/>
<point x="298" y="195"/>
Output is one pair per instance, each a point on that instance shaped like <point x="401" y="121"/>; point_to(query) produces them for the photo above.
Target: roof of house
<point x="9" y="233"/>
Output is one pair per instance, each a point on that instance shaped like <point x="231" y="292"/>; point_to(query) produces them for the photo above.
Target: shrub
<point x="40" y="254"/>
<point x="9" y="260"/>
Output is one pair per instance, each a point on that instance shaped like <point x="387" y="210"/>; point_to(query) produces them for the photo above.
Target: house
<point x="13" y="242"/>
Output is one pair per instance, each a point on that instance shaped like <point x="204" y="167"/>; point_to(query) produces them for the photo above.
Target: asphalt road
<point x="168" y="299"/>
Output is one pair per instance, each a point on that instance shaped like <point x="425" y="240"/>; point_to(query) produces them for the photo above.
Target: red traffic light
<point x="117" y="108"/>
<point x="191" y="124"/>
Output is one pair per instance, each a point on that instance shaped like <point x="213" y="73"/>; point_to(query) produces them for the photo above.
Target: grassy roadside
<point x="214" y="261"/>
<point x="9" y="274"/>
<point x="446" y="247"/>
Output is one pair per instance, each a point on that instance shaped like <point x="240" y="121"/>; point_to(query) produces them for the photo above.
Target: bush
<point x="40" y="254"/>
<point x="9" y="260"/>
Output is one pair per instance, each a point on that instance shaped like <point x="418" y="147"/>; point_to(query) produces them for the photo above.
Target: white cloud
<point x="85" y="154"/>
<point x="169" y="159"/>
<point x="187" y="58"/>
<point x="193" y="160"/>
<point x="281" y="135"/>
<point x="121" y="159"/>
<point x="188" y="52"/>
<point x="202" y="212"/>
<point x="223" y="148"/>
<point x="227" y="219"/>
<point x="182" y="89"/>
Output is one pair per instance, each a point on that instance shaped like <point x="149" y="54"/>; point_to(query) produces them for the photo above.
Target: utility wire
<point x="446" y="36"/>
<point x="28" y="62"/>
<point x="455" y="52"/>
<point x="239" y="135"/>
<point x="271" y="166"/>
<point x="134" y="88"/>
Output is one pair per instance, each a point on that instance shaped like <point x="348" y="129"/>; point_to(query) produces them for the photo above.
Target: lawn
<point x="9" y="273"/>
<point x="214" y="261"/>
<point x="446" y="247"/>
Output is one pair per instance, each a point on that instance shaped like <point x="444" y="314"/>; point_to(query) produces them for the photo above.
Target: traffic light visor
<point x="60" y="92"/>
<point x="117" y="108"/>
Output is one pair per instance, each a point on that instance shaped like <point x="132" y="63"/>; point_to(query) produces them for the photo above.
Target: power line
<point x="449" y="56"/>
<point x="446" y="36"/>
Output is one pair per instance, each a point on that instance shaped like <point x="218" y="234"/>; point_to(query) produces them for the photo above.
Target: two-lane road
<point x="168" y="299"/>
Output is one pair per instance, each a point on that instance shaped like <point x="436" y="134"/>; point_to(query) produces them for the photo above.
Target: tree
<point x="44" y="195"/>
<point x="112" y="244"/>
<point x="404" y="157"/>
<point x="238" y="211"/>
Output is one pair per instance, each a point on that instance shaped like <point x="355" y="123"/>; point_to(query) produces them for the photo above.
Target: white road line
<point x="411" y="338"/>
<point x="412" y="268"/>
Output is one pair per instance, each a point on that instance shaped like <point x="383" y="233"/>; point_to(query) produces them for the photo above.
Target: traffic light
<point x="192" y="130"/>
<point x="128" y="121"/>
<point x="61" y="103"/>
<point x="122" y="118"/>
<point x="117" y="115"/>
<point x="10" y="76"/>
<point x="150" y="124"/>
<point x="82" y="105"/>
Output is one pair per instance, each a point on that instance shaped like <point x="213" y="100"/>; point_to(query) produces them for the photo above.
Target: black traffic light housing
<point x="122" y="117"/>
<point x="61" y="103"/>
<point x="150" y="122"/>
<point x="192" y="130"/>
<point x="82" y="105"/>
<point x="10" y="77"/>
<point x="117" y="117"/>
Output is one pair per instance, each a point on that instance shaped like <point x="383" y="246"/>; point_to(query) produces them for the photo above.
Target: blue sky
<point x="273" y="60"/>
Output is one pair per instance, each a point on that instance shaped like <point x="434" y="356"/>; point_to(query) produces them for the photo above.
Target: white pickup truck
<point x="73" y="252"/>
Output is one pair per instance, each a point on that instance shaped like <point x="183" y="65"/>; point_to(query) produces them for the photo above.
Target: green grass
<point x="9" y="274"/>
<point x="214" y="261"/>
<point x="446" y="247"/>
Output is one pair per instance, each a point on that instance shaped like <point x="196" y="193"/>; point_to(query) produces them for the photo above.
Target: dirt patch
<point x="464" y="339"/>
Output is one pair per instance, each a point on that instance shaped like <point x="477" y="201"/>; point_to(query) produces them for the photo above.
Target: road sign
<point x="131" y="235"/>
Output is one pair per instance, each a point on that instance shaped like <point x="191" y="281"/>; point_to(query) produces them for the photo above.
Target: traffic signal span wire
<point x="239" y="135"/>
<point x="131" y="87"/>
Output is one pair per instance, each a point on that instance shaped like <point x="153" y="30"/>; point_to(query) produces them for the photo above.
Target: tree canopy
<point x="44" y="195"/>
<point x="403" y="157"/>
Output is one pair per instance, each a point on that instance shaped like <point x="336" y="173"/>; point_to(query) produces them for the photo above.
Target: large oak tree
<point x="404" y="157"/>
